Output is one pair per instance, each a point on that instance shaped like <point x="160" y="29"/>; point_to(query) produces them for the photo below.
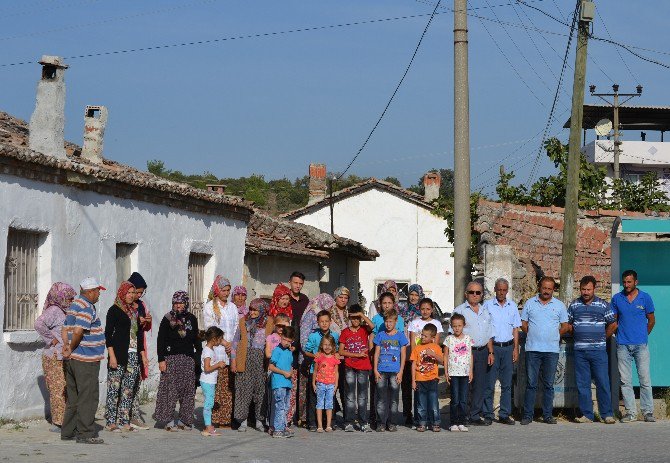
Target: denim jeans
<point x="388" y="392"/>
<point x="281" y="398"/>
<point x="593" y="364"/>
<point x="427" y="407"/>
<point x="459" y="399"/>
<point x="640" y="353"/>
<point x="540" y="366"/>
<point x="324" y="396"/>
<point x="502" y="369"/>
<point x="357" y="384"/>
<point x="208" y="403"/>
<point x="480" y="372"/>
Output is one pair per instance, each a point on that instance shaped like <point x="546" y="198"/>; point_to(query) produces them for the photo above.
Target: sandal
<point x="436" y="428"/>
<point x="421" y="428"/>
<point x="214" y="433"/>
<point x="128" y="429"/>
<point x="319" y="429"/>
<point x="112" y="428"/>
<point x="170" y="428"/>
<point x="329" y="429"/>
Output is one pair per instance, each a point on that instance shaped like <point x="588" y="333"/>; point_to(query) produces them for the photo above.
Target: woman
<point x="281" y="301"/>
<point x="389" y="286"/>
<point x="248" y="361"/>
<point x="178" y="348"/>
<point x="240" y="300"/>
<point x="142" y="310"/>
<point x="49" y="325"/>
<point x="125" y="344"/>
<point x="409" y="312"/>
<point x="220" y="312"/>
<point x="339" y="314"/>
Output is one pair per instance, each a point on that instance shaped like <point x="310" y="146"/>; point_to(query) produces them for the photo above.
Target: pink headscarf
<point x="60" y="295"/>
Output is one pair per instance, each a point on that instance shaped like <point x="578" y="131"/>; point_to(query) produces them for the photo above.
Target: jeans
<point x="427" y="403"/>
<point x="82" y="399"/>
<point x="280" y="401"/>
<point x="324" y="396"/>
<point x="593" y="364"/>
<point x="388" y="392"/>
<point x="208" y="391"/>
<point x="357" y="384"/>
<point x="502" y="369"/>
<point x="480" y="371"/>
<point x="459" y="399"/>
<point x="540" y="366"/>
<point x="640" y="353"/>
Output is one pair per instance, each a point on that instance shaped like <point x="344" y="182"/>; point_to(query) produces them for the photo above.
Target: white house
<point x="399" y="224"/>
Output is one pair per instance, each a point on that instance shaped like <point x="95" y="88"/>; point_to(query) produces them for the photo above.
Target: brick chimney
<point x="47" y="124"/>
<point x="95" y="120"/>
<point x="317" y="183"/>
<point x="216" y="188"/>
<point x="431" y="185"/>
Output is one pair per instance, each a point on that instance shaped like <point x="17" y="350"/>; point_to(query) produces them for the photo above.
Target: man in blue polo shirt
<point x="544" y="319"/>
<point x="592" y="321"/>
<point x="634" y="310"/>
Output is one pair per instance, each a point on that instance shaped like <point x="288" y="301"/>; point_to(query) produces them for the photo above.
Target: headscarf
<point x="58" y="296"/>
<point x="323" y="301"/>
<point x="178" y="319"/>
<point x="137" y="280"/>
<point x="412" y="310"/>
<point x="120" y="300"/>
<point x="241" y="311"/>
<point x="219" y="283"/>
<point x="254" y="324"/>
<point x="340" y="291"/>
<point x="385" y="289"/>
<point x="280" y="291"/>
<point x="340" y="321"/>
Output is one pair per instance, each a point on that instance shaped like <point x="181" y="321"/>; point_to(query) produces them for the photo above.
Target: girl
<point x="210" y="370"/>
<point x="458" y="371"/>
<point x="325" y="380"/>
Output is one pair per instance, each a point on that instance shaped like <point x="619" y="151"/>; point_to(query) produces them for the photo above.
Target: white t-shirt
<point x="208" y="378"/>
<point x="460" y="351"/>
<point x="416" y="325"/>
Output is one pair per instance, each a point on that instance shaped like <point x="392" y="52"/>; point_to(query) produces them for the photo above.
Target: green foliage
<point x="446" y="184"/>
<point x="444" y="208"/>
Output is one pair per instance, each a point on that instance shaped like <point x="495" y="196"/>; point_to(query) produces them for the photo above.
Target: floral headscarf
<point x="340" y="322"/>
<point x="280" y="291"/>
<point x="243" y="310"/>
<point x="323" y="301"/>
<point x="120" y="300"/>
<point x="385" y="289"/>
<point x="254" y="324"/>
<point x="219" y="283"/>
<point x="411" y="311"/>
<point x="179" y="319"/>
<point x="60" y="295"/>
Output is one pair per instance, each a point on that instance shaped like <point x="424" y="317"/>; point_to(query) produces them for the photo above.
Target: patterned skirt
<point x="250" y="386"/>
<point x="121" y="390"/>
<point x="222" y="414"/>
<point x="54" y="375"/>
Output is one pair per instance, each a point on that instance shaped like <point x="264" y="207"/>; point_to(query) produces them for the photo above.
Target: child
<point x="273" y="340"/>
<point x="210" y="372"/>
<point x="458" y="370"/>
<point x="425" y="359"/>
<point x="387" y="302"/>
<point x="310" y="349"/>
<point x="426" y="307"/>
<point x="325" y="380"/>
<point x="354" y="348"/>
<point x="389" y="361"/>
<point x="281" y="366"/>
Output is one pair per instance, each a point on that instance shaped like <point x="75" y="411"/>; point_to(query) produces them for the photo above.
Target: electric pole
<point x="462" y="268"/>
<point x="586" y="14"/>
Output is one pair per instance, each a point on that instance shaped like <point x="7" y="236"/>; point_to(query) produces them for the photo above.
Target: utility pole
<point x="616" y="105"/>
<point x="586" y="14"/>
<point x="330" y="204"/>
<point x="462" y="268"/>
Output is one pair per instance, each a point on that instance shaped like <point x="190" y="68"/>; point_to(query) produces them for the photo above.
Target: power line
<point x="402" y="79"/>
<point x="41" y="10"/>
<point x="602" y="20"/>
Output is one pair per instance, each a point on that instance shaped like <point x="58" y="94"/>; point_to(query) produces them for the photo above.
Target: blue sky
<point x="271" y="105"/>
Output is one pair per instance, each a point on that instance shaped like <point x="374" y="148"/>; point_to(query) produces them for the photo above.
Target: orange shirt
<point x="425" y="362"/>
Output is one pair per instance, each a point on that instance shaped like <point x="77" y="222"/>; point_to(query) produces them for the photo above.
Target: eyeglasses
<point x="478" y="293"/>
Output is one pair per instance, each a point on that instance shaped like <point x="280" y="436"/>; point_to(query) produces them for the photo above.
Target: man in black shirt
<point x="298" y="304"/>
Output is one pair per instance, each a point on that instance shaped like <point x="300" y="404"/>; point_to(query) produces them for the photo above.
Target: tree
<point x="446" y="184"/>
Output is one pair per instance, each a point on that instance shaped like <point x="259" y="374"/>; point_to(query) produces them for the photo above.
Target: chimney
<point x="431" y="185"/>
<point x="95" y="120"/>
<point x="317" y="183"/>
<point x="47" y="124"/>
<point x="220" y="189"/>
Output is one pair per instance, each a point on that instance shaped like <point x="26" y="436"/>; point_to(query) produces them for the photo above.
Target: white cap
<point x="91" y="283"/>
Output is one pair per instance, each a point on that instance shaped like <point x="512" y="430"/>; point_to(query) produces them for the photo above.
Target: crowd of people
<point x="282" y="363"/>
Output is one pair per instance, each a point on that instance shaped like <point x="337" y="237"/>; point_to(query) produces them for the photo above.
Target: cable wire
<point x="635" y="79"/>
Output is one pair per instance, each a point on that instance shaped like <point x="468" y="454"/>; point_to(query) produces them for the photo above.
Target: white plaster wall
<point x="83" y="228"/>
<point x="410" y="240"/>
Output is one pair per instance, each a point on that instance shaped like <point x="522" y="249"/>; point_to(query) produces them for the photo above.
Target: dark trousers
<point x="593" y="364"/>
<point x="459" y="399"/>
<point x="388" y="392"/>
<point x="502" y="369"/>
<point x="427" y="406"/>
<point x="311" y="404"/>
<point x="406" y="389"/>
<point x="357" y="385"/>
<point x="82" y="399"/>
<point x="540" y="366"/>
<point x="373" y="401"/>
<point x="480" y="371"/>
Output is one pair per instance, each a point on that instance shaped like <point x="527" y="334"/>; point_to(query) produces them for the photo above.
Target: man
<point x="591" y="322"/>
<point x="634" y="310"/>
<point x="544" y="319"/>
<point x="478" y="327"/>
<point x="506" y="322"/>
<point x="298" y="305"/>
<point x="83" y="349"/>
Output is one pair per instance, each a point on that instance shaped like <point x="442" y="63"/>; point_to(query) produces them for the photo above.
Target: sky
<point x="273" y="103"/>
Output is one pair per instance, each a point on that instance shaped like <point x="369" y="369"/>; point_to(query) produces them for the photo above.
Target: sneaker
<point x="488" y="421"/>
<point x="366" y="428"/>
<point x="311" y="428"/>
<point x="381" y="428"/>
<point x="392" y="428"/>
<point x="462" y="428"/>
<point x="583" y="419"/>
<point x="526" y="421"/>
<point x="508" y="420"/>
<point x="349" y="428"/>
<point x="54" y="428"/>
<point x="550" y="420"/>
<point x="628" y="418"/>
<point x="454" y="428"/>
<point x="242" y="428"/>
<point x="649" y="418"/>
<point x="413" y="426"/>
<point x="290" y="430"/>
<point x="609" y="420"/>
<point x="479" y="422"/>
<point x="280" y="434"/>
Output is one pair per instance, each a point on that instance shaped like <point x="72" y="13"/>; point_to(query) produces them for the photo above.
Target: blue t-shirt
<point x="544" y="320"/>
<point x="589" y="322"/>
<point x="314" y="340"/>
<point x="378" y="324"/>
<point x="389" y="350"/>
<point x="283" y="359"/>
<point x="632" y="317"/>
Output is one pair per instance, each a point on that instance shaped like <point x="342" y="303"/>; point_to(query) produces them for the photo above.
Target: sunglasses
<point x="478" y="293"/>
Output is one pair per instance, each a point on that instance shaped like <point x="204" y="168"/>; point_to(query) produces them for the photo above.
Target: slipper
<point x="421" y="428"/>
<point x="112" y="428"/>
<point x="329" y="429"/>
<point x="319" y="429"/>
<point x="128" y="429"/>
<point x="211" y="434"/>
<point x="169" y="428"/>
<point x="436" y="428"/>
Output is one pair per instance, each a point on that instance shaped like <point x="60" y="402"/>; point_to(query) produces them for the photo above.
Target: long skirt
<point x="54" y="375"/>
<point x="121" y="390"/>
<point x="303" y="379"/>
<point x="177" y="384"/>
<point x="222" y="414"/>
<point x="250" y="387"/>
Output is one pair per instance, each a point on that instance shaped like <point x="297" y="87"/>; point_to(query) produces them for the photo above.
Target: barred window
<point x="196" y="283"/>
<point x="21" y="267"/>
<point x="124" y="268"/>
<point x="402" y="289"/>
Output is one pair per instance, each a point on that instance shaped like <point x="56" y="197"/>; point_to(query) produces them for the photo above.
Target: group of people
<point x="288" y="359"/>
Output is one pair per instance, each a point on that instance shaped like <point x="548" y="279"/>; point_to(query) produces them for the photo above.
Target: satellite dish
<point x="603" y="127"/>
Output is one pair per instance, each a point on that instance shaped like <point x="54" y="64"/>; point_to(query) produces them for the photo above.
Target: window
<point x="21" y="271"/>
<point x="124" y="261"/>
<point x="402" y="289"/>
<point x="197" y="264"/>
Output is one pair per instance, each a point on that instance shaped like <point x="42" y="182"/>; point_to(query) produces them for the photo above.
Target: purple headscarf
<point x="60" y="295"/>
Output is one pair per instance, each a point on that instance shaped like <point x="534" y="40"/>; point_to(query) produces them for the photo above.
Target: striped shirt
<point x="82" y="314"/>
<point x="589" y="322"/>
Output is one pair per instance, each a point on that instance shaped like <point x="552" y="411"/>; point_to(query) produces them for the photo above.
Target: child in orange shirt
<point x="425" y="359"/>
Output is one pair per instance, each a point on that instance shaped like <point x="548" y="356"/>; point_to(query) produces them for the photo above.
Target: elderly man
<point x="634" y="310"/>
<point x="478" y="326"/>
<point x="591" y="322"/>
<point x="506" y="322"/>
<point x="83" y="349"/>
<point x="544" y="319"/>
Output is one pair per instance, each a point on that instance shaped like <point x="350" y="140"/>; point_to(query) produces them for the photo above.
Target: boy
<point x="281" y="366"/>
<point x="389" y="361"/>
<point x="415" y="327"/>
<point x="425" y="359"/>
<point x="310" y="349"/>
<point x="354" y="348"/>
<point x="458" y="370"/>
